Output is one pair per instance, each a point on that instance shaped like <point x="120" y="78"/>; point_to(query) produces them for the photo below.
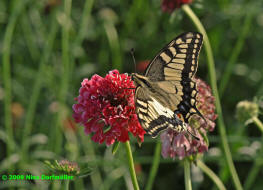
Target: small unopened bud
<point x="68" y="167"/>
<point x="245" y="110"/>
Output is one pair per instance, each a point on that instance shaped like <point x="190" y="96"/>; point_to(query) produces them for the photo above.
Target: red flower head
<point x="106" y="108"/>
<point x="183" y="144"/>
<point x="170" y="5"/>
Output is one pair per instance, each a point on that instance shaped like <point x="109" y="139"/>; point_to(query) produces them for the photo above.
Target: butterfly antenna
<point x="193" y="135"/>
<point x="188" y="131"/>
<point x="133" y="58"/>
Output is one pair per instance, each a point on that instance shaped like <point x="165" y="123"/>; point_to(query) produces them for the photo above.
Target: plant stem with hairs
<point x="155" y="165"/>
<point x="212" y="76"/>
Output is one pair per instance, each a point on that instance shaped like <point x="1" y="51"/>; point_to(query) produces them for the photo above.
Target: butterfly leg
<point x="180" y="126"/>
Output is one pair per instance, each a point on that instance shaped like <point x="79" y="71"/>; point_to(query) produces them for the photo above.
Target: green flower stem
<point x="89" y="150"/>
<point x="155" y="166"/>
<point x="187" y="175"/>
<point x="235" y="53"/>
<point x="223" y="4"/>
<point x="212" y="75"/>
<point x="256" y="168"/>
<point x="29" y="35"/>
<point x="258" y="123"/>
<point x="83" y="28"/>
<point x="66" y="184"/>
<point x="131" y="166"/>
<point x="211" y="174"/>
<point x="112" y="36"/>
<point x="253" y="173"/>
<point x="39" y="78"/>
<point x="18" y="8"/>
<point x="84" y="22"/>
<point x="65" y="76"/>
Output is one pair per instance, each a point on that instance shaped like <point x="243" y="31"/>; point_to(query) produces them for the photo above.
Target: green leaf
<point x="115" y="147"/>
<point x="85" y="172"/>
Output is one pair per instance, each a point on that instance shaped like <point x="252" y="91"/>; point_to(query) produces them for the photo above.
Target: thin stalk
<point x="235" y="53"/>
<point x="155" y="166"/>
<point x="66" y="184"/>
<point x="112" y="36"/>
<point x="256" y="168"/>
<point x="89" y="150"/>
<point x="211" y="174"/>
<point x="83" y="28"/>
<point x="39" y="79"/>
<point x="86" y="13"/>
<point x="29" y="36"/>
<point x="223" y="4"/>
<point x="73" y="153"/>
<point x="19" y="6"/>
<point x="187" y="175"/>
<point x="131" y="166"/>
<point x="84" y="21"/>
<point x="212" y="76"/>
<point x="258" y="123"/>
<point x="253" y="174"/>
<point x="66" y="65"/>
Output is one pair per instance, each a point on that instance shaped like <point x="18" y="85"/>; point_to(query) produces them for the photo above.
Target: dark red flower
<point x="106" y="108"/>
<point x="170" y="5"/>
<point x="183" y="144"/>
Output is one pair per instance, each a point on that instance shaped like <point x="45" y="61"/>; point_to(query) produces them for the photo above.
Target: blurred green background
<point x="47" y="47"/>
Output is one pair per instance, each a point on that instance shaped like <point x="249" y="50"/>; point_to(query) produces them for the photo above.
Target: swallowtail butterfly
<point x="165" y="96"/>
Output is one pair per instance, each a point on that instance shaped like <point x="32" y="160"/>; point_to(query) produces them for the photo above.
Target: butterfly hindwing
<point x="153" y="116"/>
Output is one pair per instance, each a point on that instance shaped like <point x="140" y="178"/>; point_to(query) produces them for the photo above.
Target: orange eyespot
<point x="180" y="116"/>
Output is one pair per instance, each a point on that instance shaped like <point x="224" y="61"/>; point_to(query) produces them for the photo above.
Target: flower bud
<point x="245" y="110"/>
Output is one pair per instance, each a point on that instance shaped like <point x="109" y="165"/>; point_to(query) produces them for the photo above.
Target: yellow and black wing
<point x="177" y="63"/>
<point x="171" y="72"/>
<point x="178" y="60"/>
<point x="153" y="115"/>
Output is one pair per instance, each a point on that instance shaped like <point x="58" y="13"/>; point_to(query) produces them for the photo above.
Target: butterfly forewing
<point x="173" y="89"/>
<point x="178" y="59"/>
